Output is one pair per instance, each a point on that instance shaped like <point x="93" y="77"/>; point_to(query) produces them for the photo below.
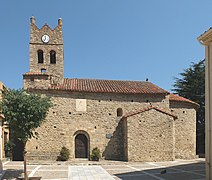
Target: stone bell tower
<point x="46" y="56"/>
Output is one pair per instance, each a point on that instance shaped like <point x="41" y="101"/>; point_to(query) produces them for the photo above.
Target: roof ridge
<point x="132" y="113"/>
<point x="108" y="80"/>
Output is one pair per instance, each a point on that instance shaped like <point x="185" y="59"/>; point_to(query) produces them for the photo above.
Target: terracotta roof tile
<point x="35" y="74"/>
<point x="147" y="109"/>
<point x="109" y="86"/>
<point x="174" y="97"/>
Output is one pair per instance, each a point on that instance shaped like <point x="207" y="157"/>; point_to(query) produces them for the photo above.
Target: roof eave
<point x="206" y="37"/>
<point x="196" y="105"/>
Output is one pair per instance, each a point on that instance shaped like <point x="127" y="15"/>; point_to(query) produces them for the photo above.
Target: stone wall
<point x="42" y="81"/>
<point x="96" y="114"/>
<point x="55" y="43"/>
<point x="98" y="119"/>
<point x="150" y="136"/>
<point x="185" y="147"/>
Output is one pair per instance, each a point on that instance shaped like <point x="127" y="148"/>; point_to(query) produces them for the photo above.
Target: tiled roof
<point x="35" y="74"/>
<point x="109" y="86"/>
<point x="174" y="97"/>
<point x="147" y="109"/>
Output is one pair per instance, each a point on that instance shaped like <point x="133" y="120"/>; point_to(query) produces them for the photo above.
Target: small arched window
<point x="52" y="57"/>
<point x="40" y="56"/>
<point x="119" y="112"/>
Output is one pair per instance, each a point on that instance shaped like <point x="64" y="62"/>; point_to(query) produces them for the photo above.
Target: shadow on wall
<point x="115" y="148"/>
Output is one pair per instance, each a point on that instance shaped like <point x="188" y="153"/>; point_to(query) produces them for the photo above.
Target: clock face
<point x="45" y="38"/>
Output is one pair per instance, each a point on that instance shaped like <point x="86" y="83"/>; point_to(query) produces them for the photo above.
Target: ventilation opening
<point x="43" y="70"/>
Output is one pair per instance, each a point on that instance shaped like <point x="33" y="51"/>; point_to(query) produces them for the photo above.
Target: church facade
<point x="126" y="120"/>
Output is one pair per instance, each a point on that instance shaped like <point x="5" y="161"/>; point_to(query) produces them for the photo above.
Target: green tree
<point x="24" y="113"/>
<point x="191" y="85"/>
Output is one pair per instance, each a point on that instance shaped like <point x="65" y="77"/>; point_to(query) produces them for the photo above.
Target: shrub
<point x="8" y="148"/>
<point x="64" y="154"/>
<point x="95" y="155"/>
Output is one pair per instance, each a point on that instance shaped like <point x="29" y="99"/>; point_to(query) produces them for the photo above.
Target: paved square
<point x="108" y="170"/>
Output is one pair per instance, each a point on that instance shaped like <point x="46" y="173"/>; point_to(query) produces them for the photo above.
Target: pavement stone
<point x="108" y="170"/>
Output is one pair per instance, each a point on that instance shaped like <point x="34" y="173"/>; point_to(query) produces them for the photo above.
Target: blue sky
<point x="108" y="39"/>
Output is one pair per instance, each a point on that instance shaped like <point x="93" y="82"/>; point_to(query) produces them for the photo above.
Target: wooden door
<point x="81" y="146"/>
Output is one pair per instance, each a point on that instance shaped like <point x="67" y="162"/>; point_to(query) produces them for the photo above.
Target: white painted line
<point x="69" y="172"/>
<point x="153" y="164"/>
<point x="52" y="170"/>
<point x="149" y="174"/>
<point x="5" y="162"/>
<point x="56" y="179"/>
<point x="9" y="165"/>
<point x="34" y="170"/>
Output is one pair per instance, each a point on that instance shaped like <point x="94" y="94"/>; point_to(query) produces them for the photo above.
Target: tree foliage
<point x="191" y="85"/>
<point x="24" y="112"/>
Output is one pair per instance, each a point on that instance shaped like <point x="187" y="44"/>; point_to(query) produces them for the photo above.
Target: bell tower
<point x="46" y="53"/>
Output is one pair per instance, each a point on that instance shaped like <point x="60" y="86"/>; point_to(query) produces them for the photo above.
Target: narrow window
<point x="40" y="56"/>
<point x="52" y="57"/>
<point x="119" y="112"/>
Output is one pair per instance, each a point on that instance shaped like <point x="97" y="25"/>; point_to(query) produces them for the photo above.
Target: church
<point x="126" y="120"/>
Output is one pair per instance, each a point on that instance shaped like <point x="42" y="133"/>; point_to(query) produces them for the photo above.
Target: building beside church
<point x="126" y="120"/>
<point x="4" y="133"/>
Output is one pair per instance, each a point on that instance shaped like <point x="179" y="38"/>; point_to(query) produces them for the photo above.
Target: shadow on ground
<point x="180" y="172"/>
<point x="12" y="174"/>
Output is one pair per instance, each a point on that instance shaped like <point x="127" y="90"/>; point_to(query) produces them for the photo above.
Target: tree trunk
<point x="25" y="166"/>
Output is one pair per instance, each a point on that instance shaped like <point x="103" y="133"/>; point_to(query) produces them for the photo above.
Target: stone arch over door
<point x="81" y="144"/>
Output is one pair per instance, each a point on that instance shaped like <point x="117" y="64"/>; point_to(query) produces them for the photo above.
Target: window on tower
<point x="40" y="56"/>
<point x="52" y="57"/>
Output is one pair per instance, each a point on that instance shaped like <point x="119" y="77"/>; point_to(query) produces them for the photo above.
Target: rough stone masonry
<point x="126" y="120"/>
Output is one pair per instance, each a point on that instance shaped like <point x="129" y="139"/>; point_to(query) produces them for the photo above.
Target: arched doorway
<point x="81" y="146"/>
